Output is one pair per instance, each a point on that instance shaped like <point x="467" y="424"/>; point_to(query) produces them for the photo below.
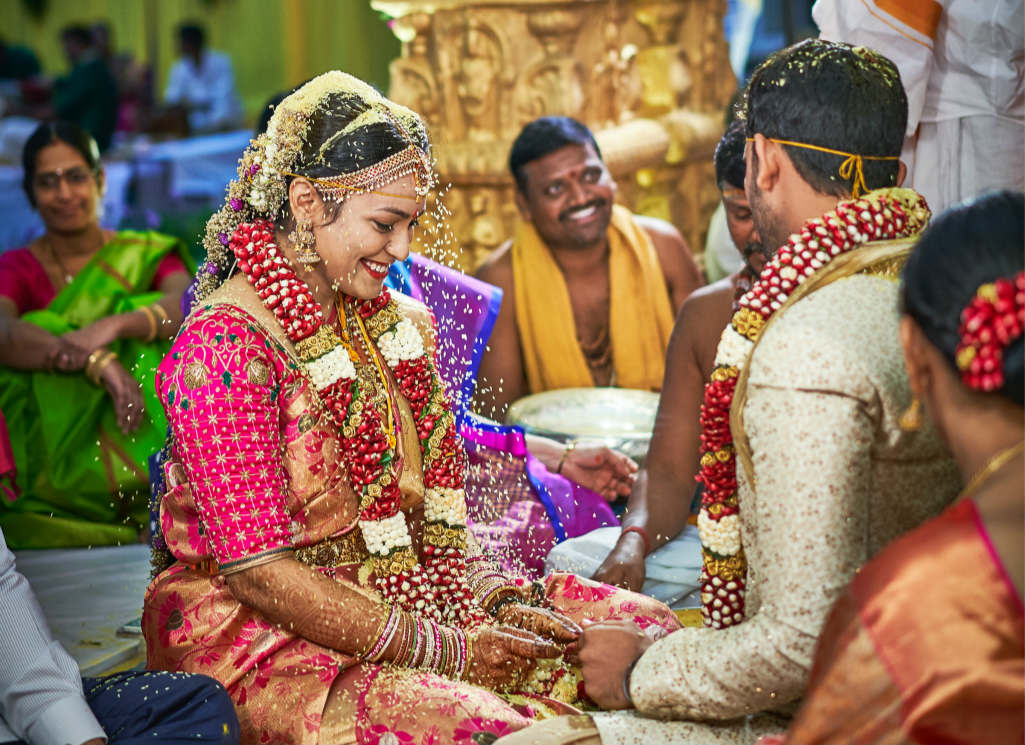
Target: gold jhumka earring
<point x="305" y="243"/>
<point x="911" y="419"/>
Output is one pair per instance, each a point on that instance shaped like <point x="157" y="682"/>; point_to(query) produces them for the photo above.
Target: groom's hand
<point x="607" y="650"/>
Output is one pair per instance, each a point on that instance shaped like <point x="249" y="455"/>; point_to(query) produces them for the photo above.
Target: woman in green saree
<point x="85" y="317"/>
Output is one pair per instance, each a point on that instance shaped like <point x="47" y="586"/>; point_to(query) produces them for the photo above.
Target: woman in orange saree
<point x="320" y="566"/>
<point x="927" y="644"/>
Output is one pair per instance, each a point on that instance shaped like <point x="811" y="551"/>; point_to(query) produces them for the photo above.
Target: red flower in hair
<point x="993" y="319"/>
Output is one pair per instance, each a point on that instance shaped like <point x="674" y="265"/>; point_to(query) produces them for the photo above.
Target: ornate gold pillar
<point x="650" y="77"/>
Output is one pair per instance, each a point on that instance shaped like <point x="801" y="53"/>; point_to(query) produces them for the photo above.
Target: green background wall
<point x="274" y="44"/>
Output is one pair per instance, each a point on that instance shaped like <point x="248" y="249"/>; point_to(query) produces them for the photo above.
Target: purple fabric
<point x="465" y="309"/>
<point x="518" y="508"/>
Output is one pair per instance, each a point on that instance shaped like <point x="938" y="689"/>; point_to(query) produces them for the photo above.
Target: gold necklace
<point x="992" y="465"/>
<point x="391" y="430"/>
<point x="65" y="274"/>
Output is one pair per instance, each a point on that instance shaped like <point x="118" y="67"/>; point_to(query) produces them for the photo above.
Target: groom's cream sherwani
<point x="835" y="479"/>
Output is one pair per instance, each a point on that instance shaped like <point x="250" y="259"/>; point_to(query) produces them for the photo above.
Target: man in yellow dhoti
<point x="589" y="288"/>
<point x="807" y="473"/>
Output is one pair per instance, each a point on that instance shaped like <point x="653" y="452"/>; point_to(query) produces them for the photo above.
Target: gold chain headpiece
<point x="261" y="189"/>
<point x="411" y="160"/>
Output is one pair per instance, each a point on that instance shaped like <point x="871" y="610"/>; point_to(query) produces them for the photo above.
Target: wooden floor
<point x="87" y="595"/>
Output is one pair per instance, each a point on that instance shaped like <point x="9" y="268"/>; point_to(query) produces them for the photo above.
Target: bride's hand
<point x="544" y="622"/>
<point x="501" y="657"/>
<point x="600" y="469"/>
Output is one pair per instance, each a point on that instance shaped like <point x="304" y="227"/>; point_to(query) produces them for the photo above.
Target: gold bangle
<point x="94" y="372"/>
<point x="90" y="363"/>
<point x="562" y="461"/>
<point x="161" y="313"/>
<point x="152" y="318"/>
<point x="92" y="358"/>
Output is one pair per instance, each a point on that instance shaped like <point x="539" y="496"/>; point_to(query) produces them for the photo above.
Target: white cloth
<point x="208" y="90"/>
<point x="41" y="698"/>
<point x="721" y="255"/>
<point x="672" y="571"/>
<point x="964" y="82"/>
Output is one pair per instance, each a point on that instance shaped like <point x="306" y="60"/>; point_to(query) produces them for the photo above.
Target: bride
<point x="318" y="560"/>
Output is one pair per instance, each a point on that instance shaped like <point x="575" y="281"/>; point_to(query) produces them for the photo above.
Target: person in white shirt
<point x="962" y="64"/>
<point x="44" y="701"/>
<point x="203" y="82"/>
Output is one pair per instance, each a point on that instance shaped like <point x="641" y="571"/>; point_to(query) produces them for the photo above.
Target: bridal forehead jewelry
<point x="410" y="161"/>
<point x="261" y="188"/>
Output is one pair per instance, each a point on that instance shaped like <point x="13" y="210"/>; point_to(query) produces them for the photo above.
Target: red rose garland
<point x="357" y="399"/>
<point x="884" y="214"/>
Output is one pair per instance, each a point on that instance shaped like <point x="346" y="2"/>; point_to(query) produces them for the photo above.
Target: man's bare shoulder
<point x="660" y="230"/>
<point x="497" y="268"/>
<point x="710" y="299"/>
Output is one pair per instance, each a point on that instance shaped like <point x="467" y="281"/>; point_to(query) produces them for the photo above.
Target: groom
<point x="807" y="473"/>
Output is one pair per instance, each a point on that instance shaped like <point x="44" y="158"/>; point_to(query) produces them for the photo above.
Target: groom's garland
<point x="885" y="214"/>
<point x="355" y="394"/>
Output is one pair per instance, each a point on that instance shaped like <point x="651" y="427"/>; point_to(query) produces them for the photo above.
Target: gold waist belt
<point x="345" y="549"/>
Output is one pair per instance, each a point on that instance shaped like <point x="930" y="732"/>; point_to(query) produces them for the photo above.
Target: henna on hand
<point x="501" y="657"/>
<point x="544" y="622"/>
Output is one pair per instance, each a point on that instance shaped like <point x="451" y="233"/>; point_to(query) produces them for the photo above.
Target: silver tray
<point x="620" y="418"/>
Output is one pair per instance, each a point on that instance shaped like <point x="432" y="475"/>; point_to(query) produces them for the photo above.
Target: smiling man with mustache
<point x="656" y="512"/>
<point x="590" y="289"/>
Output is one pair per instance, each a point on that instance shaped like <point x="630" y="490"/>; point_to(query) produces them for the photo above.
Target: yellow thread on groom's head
<point x="853" y="164"/>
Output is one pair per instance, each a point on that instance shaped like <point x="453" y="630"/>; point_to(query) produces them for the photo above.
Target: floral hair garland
<point x="885" y="214"/>
<point x="992" y="320"/>
<point x="356" y="396"/>
<point x="261" y="188"/>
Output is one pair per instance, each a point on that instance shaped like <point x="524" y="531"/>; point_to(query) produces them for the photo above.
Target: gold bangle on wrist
<point x="94" y="368"/>
<point x="152" y="318"/>
<point x="90" y="363"/>
<point x="162" y="317"/>
<point x="92" y="358"/>
<point x="562" y="461"/>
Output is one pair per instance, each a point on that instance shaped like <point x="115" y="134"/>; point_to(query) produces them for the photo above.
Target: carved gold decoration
<point x="650" y="77"/>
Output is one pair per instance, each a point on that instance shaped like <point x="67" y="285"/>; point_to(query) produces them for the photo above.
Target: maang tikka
<point x="305" y="243"/>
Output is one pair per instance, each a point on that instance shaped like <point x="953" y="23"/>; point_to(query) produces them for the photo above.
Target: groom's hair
<point x="835" y="96"/>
